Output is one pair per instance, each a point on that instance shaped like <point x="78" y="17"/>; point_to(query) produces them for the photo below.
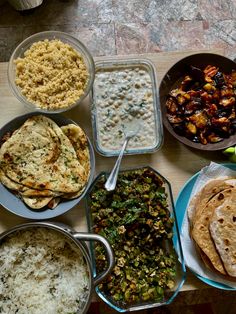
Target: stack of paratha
<point x="212" y="216"/>
<point x="43" y="162"/>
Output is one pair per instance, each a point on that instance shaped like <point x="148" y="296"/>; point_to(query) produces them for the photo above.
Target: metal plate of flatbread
<point x="31" y="190"/>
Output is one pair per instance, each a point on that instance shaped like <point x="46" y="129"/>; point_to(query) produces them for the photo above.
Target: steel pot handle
<point x="109" y="251"/>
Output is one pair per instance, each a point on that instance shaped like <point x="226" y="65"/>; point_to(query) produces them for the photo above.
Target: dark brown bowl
<point x="174" y="76"/>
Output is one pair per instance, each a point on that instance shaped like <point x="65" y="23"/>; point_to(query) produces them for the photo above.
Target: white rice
<point x="41" y="272"/>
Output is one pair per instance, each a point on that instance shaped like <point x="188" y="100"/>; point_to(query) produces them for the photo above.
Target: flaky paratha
<point x="223" y="231"/>
<point x="80" y="143"/>
<point x="24" y="190"/>
<point x="40" y="156"/>
<point x="36" y="202"/>
<point x="40" y="151"/>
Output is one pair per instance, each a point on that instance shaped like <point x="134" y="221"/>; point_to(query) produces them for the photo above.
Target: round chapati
<point x="223" y="232"/>
<point x="201" y="233"/>
<point x="210" y="189"/>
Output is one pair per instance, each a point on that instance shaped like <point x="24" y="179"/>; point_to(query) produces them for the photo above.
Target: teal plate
<point x="180" y="209"/>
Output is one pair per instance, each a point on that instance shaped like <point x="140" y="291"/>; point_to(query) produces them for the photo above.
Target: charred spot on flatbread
<point x="220" y="196"/>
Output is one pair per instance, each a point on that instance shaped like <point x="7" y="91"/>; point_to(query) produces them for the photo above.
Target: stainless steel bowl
<point x="21" y="5"/>
<point x="78" y="239"/>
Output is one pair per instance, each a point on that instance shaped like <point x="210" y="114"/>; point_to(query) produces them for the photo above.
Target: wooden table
<point x="174" y="161"/>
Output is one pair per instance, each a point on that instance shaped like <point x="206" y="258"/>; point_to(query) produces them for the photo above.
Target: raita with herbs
<point x="121" y="95"/>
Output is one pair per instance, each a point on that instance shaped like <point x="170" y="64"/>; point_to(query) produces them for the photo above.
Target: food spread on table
<point x="136" y="220"/>
<point x="212" y="215"/>
<point x="122" y="93"/>
<point x="51" y="74"/>
<point x="44" y="163"/>
<point x="202" y="106"/>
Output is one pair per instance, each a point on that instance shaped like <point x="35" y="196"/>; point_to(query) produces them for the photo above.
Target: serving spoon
<point x="130" y="131"/>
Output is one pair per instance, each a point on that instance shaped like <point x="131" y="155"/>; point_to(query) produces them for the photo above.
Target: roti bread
<point x="205" y="195"/>
<point x="201" y="233"/>
<point x="223" y="231"/>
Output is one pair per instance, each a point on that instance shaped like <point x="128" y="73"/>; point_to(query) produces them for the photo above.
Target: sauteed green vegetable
<point x="136" y="220"/>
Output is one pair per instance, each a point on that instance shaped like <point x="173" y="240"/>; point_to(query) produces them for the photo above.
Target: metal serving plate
<point x="13" y="203"/>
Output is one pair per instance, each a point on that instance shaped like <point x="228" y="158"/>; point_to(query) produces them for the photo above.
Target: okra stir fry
<point x="136" y="221"/>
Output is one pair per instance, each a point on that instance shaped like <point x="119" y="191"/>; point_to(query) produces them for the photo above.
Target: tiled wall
<point x="110" y="27"/>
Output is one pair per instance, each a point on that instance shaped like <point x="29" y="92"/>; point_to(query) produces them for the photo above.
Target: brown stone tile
<point x="102" y="308"/>
<point x="95" y="11"/>
<point x="142" y="38"/>
<point x="10" y="37"/>
<point x="9" y="16"/>
<point x="217" y="9"/>
<point x="99" y="38"/>
<point x="222" y="34"/>
<point x="135" y="38"/>
<point x="133" y="11"/>
<point x="224" y="307"/>
<point x="59" y="12"/>
<point x="203" y="296"/>
<point x="182" y="35"/>
<point x="146" y="11"/>
<point x="230" y="52"/>
<point x="52" y="12"/>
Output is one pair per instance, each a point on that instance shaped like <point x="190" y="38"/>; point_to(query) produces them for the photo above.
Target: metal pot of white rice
<point x="45" y="268"/>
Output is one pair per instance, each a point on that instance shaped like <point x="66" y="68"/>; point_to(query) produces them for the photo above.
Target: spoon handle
<point x="111" y="181"/>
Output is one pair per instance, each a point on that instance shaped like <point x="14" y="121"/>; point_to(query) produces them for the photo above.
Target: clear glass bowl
<point x="103" y="98"/>
<point x="50" y="35"/>
<point x="173" y="246"/>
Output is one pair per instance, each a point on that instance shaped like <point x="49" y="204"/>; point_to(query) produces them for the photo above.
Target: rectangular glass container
<point x="125" y="91"/>
<point x="173" y="246"/>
